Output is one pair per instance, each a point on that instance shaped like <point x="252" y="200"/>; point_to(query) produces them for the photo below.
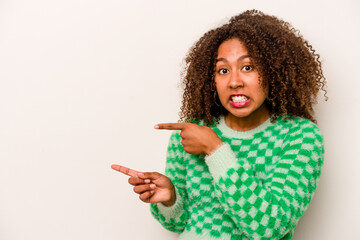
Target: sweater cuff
<point x="220" y="160"/>
<point x="173" y="211"/>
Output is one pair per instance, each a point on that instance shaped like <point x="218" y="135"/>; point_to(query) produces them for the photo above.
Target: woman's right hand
<point x="152" y="187"/>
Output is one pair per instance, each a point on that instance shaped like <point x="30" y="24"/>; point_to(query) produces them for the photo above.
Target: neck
<point x="249" y="122"/>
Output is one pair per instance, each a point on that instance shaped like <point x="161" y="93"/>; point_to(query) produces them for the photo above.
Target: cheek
<point x="220" y="92"/>
<point x="264" y="91"/>
<point x="260" y="91"/>
<point x="219" y="87"/>
<point x="261" y="96"/>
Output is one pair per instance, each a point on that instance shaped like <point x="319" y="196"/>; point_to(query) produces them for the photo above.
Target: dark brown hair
<point x="285" y="61"/>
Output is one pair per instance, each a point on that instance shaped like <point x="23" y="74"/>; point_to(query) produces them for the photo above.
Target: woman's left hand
<point x="195" y="139"/>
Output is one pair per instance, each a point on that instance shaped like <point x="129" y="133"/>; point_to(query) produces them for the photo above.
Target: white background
<point x="83" y="82"/>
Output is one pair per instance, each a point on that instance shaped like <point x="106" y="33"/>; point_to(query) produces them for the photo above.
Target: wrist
<point x="172" y="199"/>
<point x="215" y="144"/>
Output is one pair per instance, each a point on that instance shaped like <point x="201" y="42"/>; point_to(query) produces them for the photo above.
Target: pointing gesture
<point x="196" y="139"/>
<point x="152" y="187"/>
<point x="172" y="126"/>
<point x="125" y="170"/>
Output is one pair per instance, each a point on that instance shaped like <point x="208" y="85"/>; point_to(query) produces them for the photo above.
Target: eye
<point x="223" y="71"/>
<point x="247" y="68"/>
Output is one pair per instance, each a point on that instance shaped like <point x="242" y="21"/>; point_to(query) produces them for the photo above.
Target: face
<point x="237" y="82"/>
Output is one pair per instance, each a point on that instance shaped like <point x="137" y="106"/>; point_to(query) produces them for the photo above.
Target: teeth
<point x="239" y="98"/>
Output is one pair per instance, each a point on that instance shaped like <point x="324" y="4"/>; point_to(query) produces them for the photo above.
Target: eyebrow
<point x="224" y="59"/>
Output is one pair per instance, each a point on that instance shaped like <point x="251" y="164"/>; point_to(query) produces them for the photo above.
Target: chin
<point x="239" y="114"/>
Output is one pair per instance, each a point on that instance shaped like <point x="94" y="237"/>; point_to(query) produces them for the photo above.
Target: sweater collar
<point x="229" y="132"/>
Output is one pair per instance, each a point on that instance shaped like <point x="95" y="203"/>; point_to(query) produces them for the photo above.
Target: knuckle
<point x="143" y="197"/>
<point x="187" y="149"/>
<point x="155" y="174"/>
<point x="130" y="180"/>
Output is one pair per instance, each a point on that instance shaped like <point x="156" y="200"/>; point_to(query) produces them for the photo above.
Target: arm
<point x="269" y="209"/>
<point x="174" y="217"/>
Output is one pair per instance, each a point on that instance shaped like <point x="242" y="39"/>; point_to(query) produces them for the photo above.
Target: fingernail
<point x="152" y="192"/>
<point x="156" y="126"/>
<point x="147" y="181"/>
<point x="152" y="186"/>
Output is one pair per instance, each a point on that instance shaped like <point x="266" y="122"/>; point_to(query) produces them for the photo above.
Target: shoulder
<point x="302" y="126"/>
<point x="303" y="133"/>
<point x="299" y="126"/>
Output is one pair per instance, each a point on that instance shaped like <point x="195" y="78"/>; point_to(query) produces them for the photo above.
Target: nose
<point x="236" y="80"/>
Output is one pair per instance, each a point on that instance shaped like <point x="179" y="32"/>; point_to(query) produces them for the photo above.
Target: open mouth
<point x="239" y="100"/>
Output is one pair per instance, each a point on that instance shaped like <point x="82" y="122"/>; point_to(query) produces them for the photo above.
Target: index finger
<point x="125" y="170"/>
<point x="170" y="126"/>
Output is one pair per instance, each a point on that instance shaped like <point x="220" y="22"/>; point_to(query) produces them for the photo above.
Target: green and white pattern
<point x="256" y="185"/>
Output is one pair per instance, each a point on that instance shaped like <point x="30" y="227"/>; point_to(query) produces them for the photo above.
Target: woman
<point x="245" y="161"/>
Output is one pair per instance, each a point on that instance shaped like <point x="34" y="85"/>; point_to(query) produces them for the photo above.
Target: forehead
<point x="232" y="48"/>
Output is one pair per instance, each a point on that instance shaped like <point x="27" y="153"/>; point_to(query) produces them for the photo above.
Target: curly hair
<point x="286" y="62"/>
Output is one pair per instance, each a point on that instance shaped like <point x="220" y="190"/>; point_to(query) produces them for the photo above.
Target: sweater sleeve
<point x="174" y="217"/>
<point x="271" y="208"/>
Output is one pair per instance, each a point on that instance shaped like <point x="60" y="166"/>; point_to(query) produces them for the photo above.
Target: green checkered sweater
<point x="256" y="185"/>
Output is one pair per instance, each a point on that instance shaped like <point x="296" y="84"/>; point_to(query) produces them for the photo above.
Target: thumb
<point x="149" y="175"/>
